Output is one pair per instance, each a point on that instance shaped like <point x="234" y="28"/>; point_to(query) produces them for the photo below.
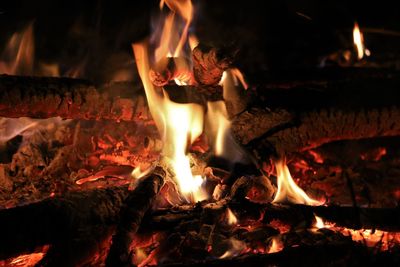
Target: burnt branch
<point x="132" y="212"/>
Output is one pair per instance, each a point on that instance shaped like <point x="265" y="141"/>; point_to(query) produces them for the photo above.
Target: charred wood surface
<point x="132" y="212"/>
<point x="294" y="115"/>
<point x="58" y="220"/>
<point x="45" y="97"/>
<point x="319" y="255"/>
<point x="355" y="218"/>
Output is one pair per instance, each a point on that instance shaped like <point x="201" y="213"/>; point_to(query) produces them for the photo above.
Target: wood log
<point x="387" y="219"/>
<point x="297" y="115"/>
<point x="318" y="255"/>
<point x="44" y="97"/>
<point x="132" y="212"/>
<point x="60" y="222"/>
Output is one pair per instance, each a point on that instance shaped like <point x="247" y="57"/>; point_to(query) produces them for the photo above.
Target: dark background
<point x="272" y="35"/>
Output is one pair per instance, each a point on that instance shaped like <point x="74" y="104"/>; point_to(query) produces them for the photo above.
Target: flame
<point x="288" y="190"/>
<point x="218" y="125"/>
<point x="231" y="217"/>
<point x="237" y="247"/>
<point x="319" y="222"/>
<point x="179" y="124"/>
<point x="358" y="40"/>
<point x="18" y="56"/>
<point x="276" y="245"/>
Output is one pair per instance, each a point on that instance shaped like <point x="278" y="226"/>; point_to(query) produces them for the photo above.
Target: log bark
<point x="296" y="115"/>
<point x="387" y="219"/>
<point x="44" y="97"/>
<point x="60" y="222"/>
<point x="132" y="212"/>
<point x="318" y="255"/>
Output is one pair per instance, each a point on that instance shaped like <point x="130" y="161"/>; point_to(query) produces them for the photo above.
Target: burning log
<point x="387" y="219"/>
<point x="58" y="220"/>
<point x="209" y="63"/>
<point x="45" y="97"/>
<point x="297" y="115"/>
<point x="132" y="212"/>
<point x="318" y="255"/>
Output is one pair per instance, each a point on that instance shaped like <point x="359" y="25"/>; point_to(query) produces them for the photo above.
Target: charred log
<point x="209" y="63"/>
<point x="286" y="116"/>
<point x="319" y="255"/>
<point x="45" y="97"/>
<point x="132" y="212"/>
<point x="59" y="222"/>
<point x="355" y="218"/>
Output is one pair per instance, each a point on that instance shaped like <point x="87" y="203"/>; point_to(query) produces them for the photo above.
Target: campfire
<point x="191" y="159"/>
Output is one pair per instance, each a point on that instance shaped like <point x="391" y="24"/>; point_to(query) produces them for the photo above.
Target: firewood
<point x="295" y="115"/>
<point x="318" y="255"/>
<point x="45" y="97"/>
<point x="56" y="220"/>
<point x="132" y="212"/>
<point x="387" y="219"/>
<point x="209" y="63"/>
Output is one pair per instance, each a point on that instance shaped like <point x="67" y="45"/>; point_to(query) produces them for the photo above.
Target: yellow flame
<point x="237" y="247"/>
<point x="218" y="125"/>
<point x="358" y="39"/>
<point x="288" y="190"/>
<point x="179" y="124"/>
<point x="231" y="217"/>
<point x="276" y="245"/>
<point x="18" y="55"/>
<point x="319" y="222"/>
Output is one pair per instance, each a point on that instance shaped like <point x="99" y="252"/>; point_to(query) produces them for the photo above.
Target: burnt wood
<point x="45" y="97"/>
<point x="132" y="212"/>
<point x="58" y="221"/>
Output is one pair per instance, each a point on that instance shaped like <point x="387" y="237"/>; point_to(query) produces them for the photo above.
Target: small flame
<point x="237" y="247"/>
<point x="232" y="220"/>
<point x="319" y="222"/>
<point x="288" y="190"/>
<point x="276" y="245"/>
<point x="358" y="40"/>
<point x="18" y="56"/>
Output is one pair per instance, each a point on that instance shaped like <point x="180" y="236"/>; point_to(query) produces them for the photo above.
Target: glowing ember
<point x="288" y="190"/>
<point x="358" y="40"/>
<point x="232" y="220"/>
<point x="276" y="245"/>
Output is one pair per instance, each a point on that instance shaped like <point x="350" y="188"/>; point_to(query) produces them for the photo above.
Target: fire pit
<point x="183" y="156"/>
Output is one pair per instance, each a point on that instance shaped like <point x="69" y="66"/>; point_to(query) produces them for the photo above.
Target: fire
<point x="276" y="245"/>
<point x="237" y="247"/>
<point x="232" y="220"/>
<point x="358" y="40"/>
<point x="288" y="190"/>
<point x="218" y="124"/>
<point x="319" y="222"/>
<point x="18" y="56"/>
<point x="179" y="124"/>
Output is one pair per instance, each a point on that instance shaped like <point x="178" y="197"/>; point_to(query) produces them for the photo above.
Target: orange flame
<point x="276" y="245"/>
<point x="288" y="190"/>
<point x="18" y="56"/>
